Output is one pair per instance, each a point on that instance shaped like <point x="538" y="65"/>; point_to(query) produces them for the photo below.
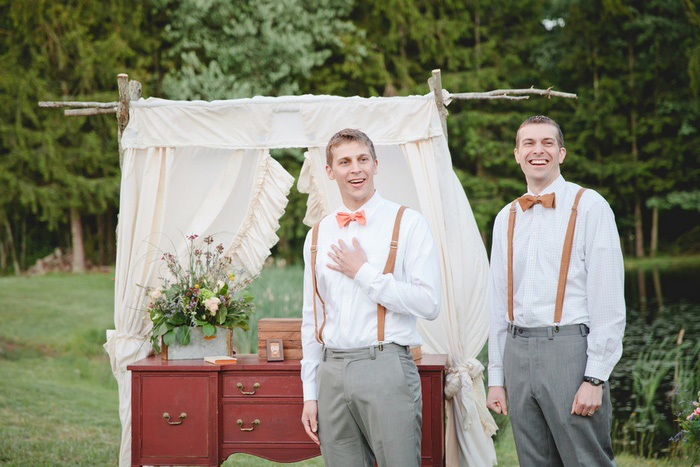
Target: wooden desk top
<point x="251" y="362"/>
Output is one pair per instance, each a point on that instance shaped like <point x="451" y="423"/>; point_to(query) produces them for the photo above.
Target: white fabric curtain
<point x="463" y="325"/>
<point x="204" y="167"/>
<point x="166" y="194"/>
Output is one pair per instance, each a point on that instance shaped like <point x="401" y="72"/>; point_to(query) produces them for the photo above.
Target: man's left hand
<point x="347" y="261"/>
<point x="587" y="400"/>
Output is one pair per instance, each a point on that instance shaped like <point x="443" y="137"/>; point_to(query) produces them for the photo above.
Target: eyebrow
<point x="548" y="138"/>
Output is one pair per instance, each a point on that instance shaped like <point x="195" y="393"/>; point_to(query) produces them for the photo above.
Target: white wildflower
<point x="212" y="304"/>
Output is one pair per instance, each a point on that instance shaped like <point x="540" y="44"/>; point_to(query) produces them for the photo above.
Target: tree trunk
<point x="654" y="242"/>
<point x="23" y="245"/>
<point x="101" y="238"/>
<point x="11" y="247"/>
<point x="76" y="230"/>
<point x="3" y="258"/>
<point x="638" y="231"/>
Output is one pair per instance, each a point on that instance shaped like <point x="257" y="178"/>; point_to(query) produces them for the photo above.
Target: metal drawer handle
<point x="240" y="388"/>
<point x="256" y="422"/>
<point x="166" y="416"/>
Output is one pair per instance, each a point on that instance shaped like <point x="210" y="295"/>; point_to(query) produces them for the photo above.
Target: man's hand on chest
<point x="347" y="260"/>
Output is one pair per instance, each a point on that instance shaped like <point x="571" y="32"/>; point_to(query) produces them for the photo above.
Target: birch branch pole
<point x="128" y="91"/>
<point x="444" y="98"/>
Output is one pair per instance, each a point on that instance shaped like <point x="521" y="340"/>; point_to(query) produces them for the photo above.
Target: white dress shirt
<point x="412" y="291"/>
<point x="595" y="284"/>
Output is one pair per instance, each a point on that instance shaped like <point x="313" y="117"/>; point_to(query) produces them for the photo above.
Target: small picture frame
<point x="275" y="350"/>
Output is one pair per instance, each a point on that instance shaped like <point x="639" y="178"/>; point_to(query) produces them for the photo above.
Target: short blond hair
<point x="345" y="136"/>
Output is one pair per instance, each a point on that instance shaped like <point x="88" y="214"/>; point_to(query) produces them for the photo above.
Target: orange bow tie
<point x="527" y="201"/>
<point x="344" y="218"/>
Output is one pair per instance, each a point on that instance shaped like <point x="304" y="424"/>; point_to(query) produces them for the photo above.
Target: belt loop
<point x="584" y="329"/>
<point x="323" y="353"/>
<point x="372" y="352"/>
<point x="513" y="330"/>
<point x="550" y="334"/>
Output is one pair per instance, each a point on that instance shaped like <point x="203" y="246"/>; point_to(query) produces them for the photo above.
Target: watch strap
<point x="593" y="381"/>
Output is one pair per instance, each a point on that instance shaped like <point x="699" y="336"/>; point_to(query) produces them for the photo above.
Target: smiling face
<point x="353" y="168"/>
<point x="539" y="155"/>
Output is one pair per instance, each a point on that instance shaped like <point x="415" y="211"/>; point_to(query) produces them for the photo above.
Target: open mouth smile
<point x="356" y="181"/>
<point x="538" y="162"/>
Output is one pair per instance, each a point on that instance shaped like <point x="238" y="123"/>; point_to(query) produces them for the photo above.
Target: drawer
<point x="267" y="384"/>
<point x="278" y="422"/>
<point x="186" y="401"/>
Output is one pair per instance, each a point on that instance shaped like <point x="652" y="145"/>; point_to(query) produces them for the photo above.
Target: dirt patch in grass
<point x="13" y="349"/>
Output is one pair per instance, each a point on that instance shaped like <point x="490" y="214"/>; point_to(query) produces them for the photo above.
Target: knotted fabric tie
<point x="527" y="201"/>
<point x="344" y="218"/>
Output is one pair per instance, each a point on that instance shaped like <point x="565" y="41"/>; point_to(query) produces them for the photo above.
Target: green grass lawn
<point x="58" y="398"/>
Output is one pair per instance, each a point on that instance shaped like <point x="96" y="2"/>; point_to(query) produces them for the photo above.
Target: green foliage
<point x="223" y="50"/>
<point x="688" y="200"/>
<point x="632" y="134"/>
<point x="56" y="51"/>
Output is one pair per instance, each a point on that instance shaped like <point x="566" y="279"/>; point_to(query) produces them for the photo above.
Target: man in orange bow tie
<point x="371" y="271"/>
<point x="557" y="310"/>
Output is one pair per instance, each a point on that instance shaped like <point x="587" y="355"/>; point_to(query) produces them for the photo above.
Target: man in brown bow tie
<point x="557" y="310"/>
<point x="371" y="270"/>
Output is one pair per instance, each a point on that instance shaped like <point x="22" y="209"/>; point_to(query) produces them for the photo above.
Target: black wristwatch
<point x="593" y="381"/>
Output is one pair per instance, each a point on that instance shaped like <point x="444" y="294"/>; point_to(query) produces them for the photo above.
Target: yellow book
<point x="220" y="360"/>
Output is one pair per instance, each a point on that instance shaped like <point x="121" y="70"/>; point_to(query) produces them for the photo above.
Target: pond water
<point x="653" y="379"/>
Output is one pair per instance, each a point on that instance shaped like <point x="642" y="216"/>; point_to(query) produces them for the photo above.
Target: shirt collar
<point x="556" y="185"/>
<point x="369" y="207"/>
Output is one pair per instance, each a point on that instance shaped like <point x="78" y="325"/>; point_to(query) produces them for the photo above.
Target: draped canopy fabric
<point x="204" y="168"/>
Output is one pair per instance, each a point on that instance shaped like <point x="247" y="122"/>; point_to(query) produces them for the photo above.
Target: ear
<point x="517" y="155"/>
<point x="562" y="154"/>
<point x="376" y="164"/>
<point x="329" y="172"/>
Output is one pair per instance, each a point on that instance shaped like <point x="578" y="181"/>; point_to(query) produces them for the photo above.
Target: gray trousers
<point x="369" y="406"/>
<point x="543" y="370"/>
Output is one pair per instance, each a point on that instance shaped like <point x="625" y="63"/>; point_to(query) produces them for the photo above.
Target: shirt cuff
<point x="598" y="370"/>
<point x="496" y="378"/>
<point x="365" y="276"/>
<point x="310" y="393"/>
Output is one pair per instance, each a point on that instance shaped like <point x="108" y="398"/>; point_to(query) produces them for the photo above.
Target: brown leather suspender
<point x="565" y="259"/>
<point x="388" y="268"/>
<point x="314" y="250"/>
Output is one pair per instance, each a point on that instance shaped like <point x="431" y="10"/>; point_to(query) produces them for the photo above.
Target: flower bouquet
<point x="690" y="429"/>
<point x="205" y="293"/>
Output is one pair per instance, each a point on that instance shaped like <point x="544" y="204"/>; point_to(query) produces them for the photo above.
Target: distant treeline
<point x="633" y="134"/>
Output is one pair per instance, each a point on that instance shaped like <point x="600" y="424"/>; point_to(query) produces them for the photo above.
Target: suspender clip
<point x="381" y="346"/>
<point x="556" y="327"/>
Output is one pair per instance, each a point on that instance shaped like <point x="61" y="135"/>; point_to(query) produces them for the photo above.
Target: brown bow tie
<point x="527" y="201"/>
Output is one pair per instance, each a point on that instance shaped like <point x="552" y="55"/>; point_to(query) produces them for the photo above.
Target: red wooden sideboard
<point x="187" y="412"/>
